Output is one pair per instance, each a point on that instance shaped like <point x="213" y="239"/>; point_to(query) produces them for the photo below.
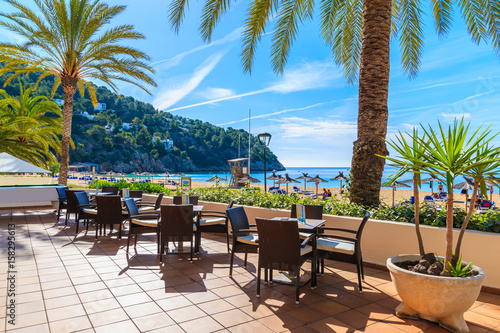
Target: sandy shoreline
<point x="385" y="194"/>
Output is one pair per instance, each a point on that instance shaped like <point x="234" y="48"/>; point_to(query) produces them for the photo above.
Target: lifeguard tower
<point x="239" y="169"/>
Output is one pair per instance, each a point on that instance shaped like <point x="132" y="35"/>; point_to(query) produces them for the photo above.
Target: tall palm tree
<point x="65" y="39"/>
<point x="359" y="32"/>
<point x="30" y="127"/>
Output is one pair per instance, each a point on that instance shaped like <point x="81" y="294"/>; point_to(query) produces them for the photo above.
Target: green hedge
<point x="483" y="222"/>
<point x="146" y="187"/>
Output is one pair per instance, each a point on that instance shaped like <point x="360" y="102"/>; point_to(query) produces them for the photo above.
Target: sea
<point x="327" y="173"/>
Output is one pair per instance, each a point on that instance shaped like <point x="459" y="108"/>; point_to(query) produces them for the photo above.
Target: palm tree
<point x="359" y="33"/>
<point x="65" y="40"/>
<point x="30" y="127"/>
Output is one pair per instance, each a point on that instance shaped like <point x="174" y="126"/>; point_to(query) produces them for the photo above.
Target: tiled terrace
<point x="67" y="285"/>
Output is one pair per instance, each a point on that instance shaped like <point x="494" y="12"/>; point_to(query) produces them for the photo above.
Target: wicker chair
<point x="111" y="189"/>
<point x="215" y="221"/>
<point x="62" y="199"/>
<point x="141" y="223"/>
<point x="150" y="206"/>
<point x="86" y="210"/>
<point x="342" y="248"/>
<point x="109" y="211"/>
<point x="176" y="225"/>
<point x="71" y="204"/>
<point x="245" y="240"/>
<point x="135" y="194"/>
<point x="280" y="248"/>
<point x="193" y="200"/>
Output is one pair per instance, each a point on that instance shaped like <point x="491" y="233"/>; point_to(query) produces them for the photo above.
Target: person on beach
<point x="325" y="194"/>
<point x="329" y="193"/>
<point x="440" y="188"/>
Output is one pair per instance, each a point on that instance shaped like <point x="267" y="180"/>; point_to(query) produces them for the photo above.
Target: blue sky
<point x="310" y="110"/>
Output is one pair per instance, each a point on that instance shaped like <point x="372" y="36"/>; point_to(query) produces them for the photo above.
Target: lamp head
<point x="264" y="139"/>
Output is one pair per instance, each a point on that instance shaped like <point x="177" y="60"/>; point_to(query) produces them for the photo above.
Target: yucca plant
<point x="409" y="159"/>
<point x="450" y="153"/>
<point x="66" y="38"/>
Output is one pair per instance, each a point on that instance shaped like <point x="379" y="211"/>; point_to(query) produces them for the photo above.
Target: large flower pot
<point x="435" y="298"/>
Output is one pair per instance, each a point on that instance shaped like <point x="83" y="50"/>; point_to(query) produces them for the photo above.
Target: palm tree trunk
<point x="417" y="215"/>
<point x="466" y="222"/>
<point x="69" y="88"/>
<point x="366" y="168"/>
<point x="449" y="233"/>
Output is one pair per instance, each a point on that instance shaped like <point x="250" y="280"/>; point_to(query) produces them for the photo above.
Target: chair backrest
<point x="72" y="203"/>
<point x="131" y="207"/>
<point x="111" y="189"/>
<point x="61" y="191"/>
<point x="230" y="204"/>
<point x="135" y="194"/>
<point x="176" y="223"/>
<point x="82" y="198"/>
<point x="193" y="200"/>
<point x="158" y="200"/>
<point x="428" y="198"/>
<point x="362" y="225"/>
<point x="274" y="237"/>
<point x="312" y="211"/>
<point x="109" y="209"/>
<point x="238" y="218"/>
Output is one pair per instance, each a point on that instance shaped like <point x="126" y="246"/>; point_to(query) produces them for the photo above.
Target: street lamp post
<point x="264" y="139"/>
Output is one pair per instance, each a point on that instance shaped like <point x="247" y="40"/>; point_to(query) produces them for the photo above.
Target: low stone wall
<point x="384" y="239"/>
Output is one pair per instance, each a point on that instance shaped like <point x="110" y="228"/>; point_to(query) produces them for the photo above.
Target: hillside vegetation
<point x="121" y="137"/>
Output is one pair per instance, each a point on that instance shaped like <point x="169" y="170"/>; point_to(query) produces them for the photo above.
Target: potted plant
<point x="441" y="289"/>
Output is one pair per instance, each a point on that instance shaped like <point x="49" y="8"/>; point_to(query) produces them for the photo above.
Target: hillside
<point x="121" y="136"/>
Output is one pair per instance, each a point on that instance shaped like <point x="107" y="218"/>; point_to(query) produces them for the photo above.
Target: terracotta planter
<point x="435" y="298"/>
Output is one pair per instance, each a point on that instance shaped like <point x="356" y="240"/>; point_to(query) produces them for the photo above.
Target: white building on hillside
<point x="168" y="143"/>
<point x="100" y="107"/>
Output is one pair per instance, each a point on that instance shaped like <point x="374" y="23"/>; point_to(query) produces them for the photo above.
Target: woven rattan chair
<point x="111" y="189"/>
<point x="280" y="248"/>
<point x="135" y="194"/>
<point x="336" y="246"/>
<point x="71" y="204"/>
<point x="150" y="206"/>
<point x="176" y="225"/>
<point x="109" y="211"/>
<point x="86" y="210"/>
<point x="61" y="193"/>
<point x="193" y="200"/>
<point x="141" y="223"/>
<point x="245" y="240"/>
<point x="215" y="221"/>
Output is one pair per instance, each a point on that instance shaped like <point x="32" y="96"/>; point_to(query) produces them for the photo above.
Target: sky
<point x="310" y="110"/>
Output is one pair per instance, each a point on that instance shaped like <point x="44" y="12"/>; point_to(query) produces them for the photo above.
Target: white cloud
<point x="313" y="75"/>
<point x="172" y="94"/>
<point x="294" y="127"/>
<point x="216" y="93"/>
<point x="455" y="115"/>
<point x="165" y="64"/>
<point x="308" y="76"/>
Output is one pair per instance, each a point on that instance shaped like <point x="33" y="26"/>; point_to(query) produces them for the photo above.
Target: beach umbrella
<point x="467" y="185"/>
<point x="287" y="180"/>
<point x="340" y="177"/>
<point x="215" y="179"/>
<point x="394" y="185"/>
<point x="431" y="180"/>
<point x="248" y="179"/>
<point x="317" y="180"/>
<point x="305" y="177"/>
<point x="274" y="177"/>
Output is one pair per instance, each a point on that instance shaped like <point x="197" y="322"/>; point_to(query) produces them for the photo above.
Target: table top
<point x="99" y="193"/>
<point x="310" y="224"/>
<point x="196" y="208"/>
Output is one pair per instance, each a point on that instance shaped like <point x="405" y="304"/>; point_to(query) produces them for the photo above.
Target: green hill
<point x="127" y="135"/>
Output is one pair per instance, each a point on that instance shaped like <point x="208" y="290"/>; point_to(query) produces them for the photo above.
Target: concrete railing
<point x="384" y="239"/>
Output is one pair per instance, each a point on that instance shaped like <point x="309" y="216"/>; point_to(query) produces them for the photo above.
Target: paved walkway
<point x="65" y="284"/>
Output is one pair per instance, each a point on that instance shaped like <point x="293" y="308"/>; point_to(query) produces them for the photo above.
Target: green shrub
<point x="145" y="187"/>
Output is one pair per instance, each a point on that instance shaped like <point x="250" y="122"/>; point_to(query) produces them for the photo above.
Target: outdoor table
<point x="93" y="194"/>
<point x="309" y="226"/>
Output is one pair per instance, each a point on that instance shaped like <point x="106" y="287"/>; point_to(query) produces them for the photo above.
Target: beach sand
<point x="385" y="194"/>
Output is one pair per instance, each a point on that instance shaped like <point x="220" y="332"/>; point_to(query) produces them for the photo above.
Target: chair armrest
<point x="350" y="239"/>
<point x="252" y="225"/>
<point x="145" y="203"/>
<point x="244" y="231"/>
<point x="86" y="206"/>
<point x="339" y="229"/>
<point x="307" y="240"/>
<point x="213" y="212"/>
